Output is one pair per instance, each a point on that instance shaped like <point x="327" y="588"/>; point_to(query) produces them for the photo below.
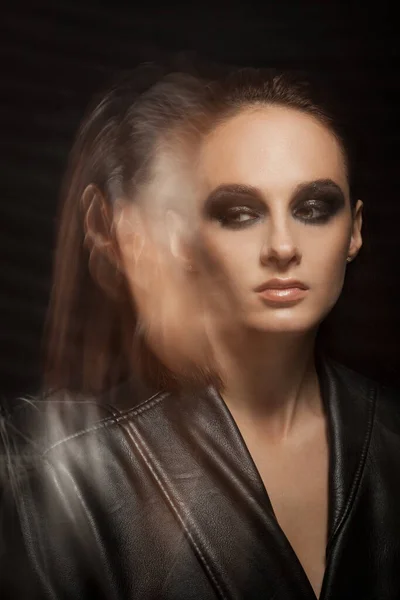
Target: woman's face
<point x="276" y="207"/>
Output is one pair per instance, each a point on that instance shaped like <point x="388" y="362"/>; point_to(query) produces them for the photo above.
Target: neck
<point x="270" y="380"/>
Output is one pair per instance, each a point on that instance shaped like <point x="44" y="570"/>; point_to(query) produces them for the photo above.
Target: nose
<point x="279" y="247"/>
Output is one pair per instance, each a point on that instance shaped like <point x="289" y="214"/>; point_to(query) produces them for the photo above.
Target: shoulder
<point x="36" y="424"/>
<point x="384" y="398"/>
<point x="54" y="446"/>
<point x="44" y="436"/>
<point x="353" y="380"/>
<point x="63" y="435"/>
<point x="66" y="473"/>
<point x="388" y="408"/>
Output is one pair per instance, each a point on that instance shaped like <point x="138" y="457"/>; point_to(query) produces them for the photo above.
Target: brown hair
<point x="92" y="342"/>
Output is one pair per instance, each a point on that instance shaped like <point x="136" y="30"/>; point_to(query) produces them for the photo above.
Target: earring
<point x="349" y="259"/>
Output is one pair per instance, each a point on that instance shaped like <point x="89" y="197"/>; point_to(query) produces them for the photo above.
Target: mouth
<point x="282" y="291"/>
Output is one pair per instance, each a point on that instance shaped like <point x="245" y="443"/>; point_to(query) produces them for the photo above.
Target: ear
<point x="177" y="234"/>
<point x="356" y="237"/>
<point x="98" y="224"/>
<point x="129" y="230"/>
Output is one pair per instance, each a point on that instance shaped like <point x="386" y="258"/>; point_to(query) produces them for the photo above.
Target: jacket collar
<point x="350" y="400"/>
<point x="198" y="457"/>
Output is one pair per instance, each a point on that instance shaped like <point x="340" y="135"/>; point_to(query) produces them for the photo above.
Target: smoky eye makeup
<point x="318" y="202"/>
<point x="234" y="206"/>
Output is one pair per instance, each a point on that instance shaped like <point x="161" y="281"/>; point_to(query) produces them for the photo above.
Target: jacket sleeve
<point x="18" y="577"/>
<point x="48" y="547"/>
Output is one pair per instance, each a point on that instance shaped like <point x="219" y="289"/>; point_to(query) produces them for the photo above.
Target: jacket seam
<point x="111" y="420"/>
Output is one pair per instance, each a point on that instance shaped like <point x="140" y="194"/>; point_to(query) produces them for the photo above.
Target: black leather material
<point x="164" y="502"/>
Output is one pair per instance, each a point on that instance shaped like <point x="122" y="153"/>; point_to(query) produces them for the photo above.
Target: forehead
<point x="272" y="148"/>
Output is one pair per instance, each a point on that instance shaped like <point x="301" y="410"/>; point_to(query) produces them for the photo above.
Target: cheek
<point x="228" y="254"/>
<point x="326" y="256"/>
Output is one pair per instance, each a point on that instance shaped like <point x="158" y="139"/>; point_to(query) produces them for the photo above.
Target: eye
<point x="315" y="211"/>
<point x="238" y="216"/>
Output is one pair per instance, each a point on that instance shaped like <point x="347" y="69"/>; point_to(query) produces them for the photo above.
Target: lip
<point x="281" y="284"/>
<point x="282" y="291"/>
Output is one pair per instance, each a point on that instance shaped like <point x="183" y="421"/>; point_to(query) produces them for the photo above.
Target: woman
<point x="205" y="235"/>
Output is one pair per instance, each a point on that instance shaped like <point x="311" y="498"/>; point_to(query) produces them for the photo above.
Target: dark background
<point x="55" y="55"/>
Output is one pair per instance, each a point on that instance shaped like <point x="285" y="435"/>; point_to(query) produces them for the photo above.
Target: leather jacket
<point x="163" y="501"/>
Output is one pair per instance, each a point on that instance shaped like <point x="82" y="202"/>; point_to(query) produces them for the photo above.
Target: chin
<point x="287" y="320"/>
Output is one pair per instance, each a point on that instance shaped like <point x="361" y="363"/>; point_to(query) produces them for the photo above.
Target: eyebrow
<point x="318" y="184"/>
<point x="249" y="190"/>
<point x="231" y="189"/>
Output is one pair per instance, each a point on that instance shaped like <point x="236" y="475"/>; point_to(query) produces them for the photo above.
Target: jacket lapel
<point x="350" y="401"/>
<point x="205" y="474"/>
